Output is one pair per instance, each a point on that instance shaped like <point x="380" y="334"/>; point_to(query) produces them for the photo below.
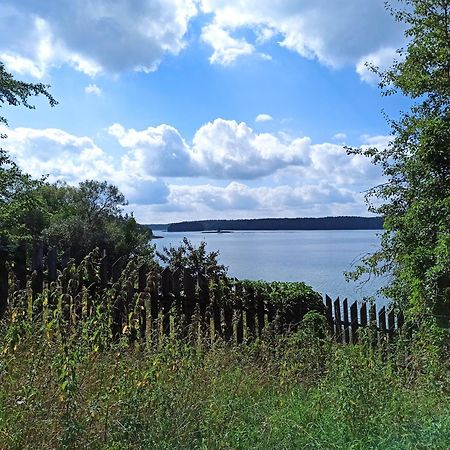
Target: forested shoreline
<point x="298" y="223"/>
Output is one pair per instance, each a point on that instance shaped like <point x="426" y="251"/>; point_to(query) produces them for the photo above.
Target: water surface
<point x="319" y="258"/>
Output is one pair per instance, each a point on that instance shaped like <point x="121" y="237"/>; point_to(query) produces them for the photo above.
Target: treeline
<point x="299" y="223"/>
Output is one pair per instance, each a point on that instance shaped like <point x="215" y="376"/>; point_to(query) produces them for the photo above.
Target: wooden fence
<point x="145" y="303"/>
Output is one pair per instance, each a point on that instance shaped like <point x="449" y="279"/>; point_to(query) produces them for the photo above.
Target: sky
<point x="204" y="109"/>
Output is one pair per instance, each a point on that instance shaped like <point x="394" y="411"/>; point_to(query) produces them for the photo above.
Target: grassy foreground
<point x="302" y="391"/>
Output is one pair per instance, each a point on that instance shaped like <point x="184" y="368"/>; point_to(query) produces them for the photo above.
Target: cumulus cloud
<point x="227" y="170"/>
<point x="92" y="36"/>
<point x="263" y="118"/>
<point x="335" y="33"/>
<point x="219" y="149"/>
<point x="63" y="156"/>
<point x="115" y="35"/>
<point x="226" y="149"/>
<point x="381" y="59"/>
<point x="93" y="89"/>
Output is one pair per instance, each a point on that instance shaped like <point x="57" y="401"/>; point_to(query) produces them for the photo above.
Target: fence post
<point x="329" y="312"/>
<point x="354" y="322"/>
<point x="189" y="300"/>
<point x="143" y="295"/>
<point x="250" y="314"/>
<point x="363" y="314"/>
<point x="337" y="316"/>
<point x="391" y="324"/>
<point x="382" y="322"/>
<point x="239" y="314"/>
<point x="166" y="290"/>
<point x="203" y="300"/>
<point x="260" y="312"/>
<point x="3" y="284"/>
<point x="20" y="265"/>
<point x="346" y="321"/>
<point x="215" y="308"/>
<point x="37" y="267"/>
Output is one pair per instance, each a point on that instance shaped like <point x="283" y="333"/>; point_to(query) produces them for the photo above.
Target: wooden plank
<point x="203" y="302"/>
<point x="250" y="312"/>
<point x="329" y="311"/>
<point x="3" y="284"/>
<point x="260" y="313"/>
<point x="382" y="322"/>
<point x="189" y="300"/>
<point x="37" y="266"/>
<point x="363" y="314"/>
<point x="346" y="321"/>
<point x="239" y="313"/>
<point x="215" y="306"/>
<point x="400" y="320"/>
<point x="338" y="320"/>
<point x="166" y="290"/>
<point x="391" y="324"/>
<point x="20" y="265"/>
<point x="143" y="300"/>
<point x="52" y="264"/>
<point x="373" y="324"/>
<point x="142" y="277"/>
<point x="117" y="270"/>
<point x="354" y="325"/>
<point x="228" y="316"/>
<point x="104" y="271"/>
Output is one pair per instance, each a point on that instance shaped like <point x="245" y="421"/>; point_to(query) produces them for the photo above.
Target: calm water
<point x="319" y="258"/>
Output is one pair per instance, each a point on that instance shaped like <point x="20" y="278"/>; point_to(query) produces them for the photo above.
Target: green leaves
<point x="415" y="199"/>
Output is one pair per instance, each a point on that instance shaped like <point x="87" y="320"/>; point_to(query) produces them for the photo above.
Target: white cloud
<point x="226" y="48"/>
<point x="263" y="118"/>
<point x="340" y="137"/>
<point x="226" y="149"/>
<point x="336" y="33"/>
<point x="93" y="89"/>
<point x="220" y="149"/>
<point x="63" y="156"/>
<point x="381" y="59"/>
<point x="92" y="36"/>
<point x="167" y="179"/>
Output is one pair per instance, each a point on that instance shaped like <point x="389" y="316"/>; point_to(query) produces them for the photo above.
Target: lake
<point x="319" y="258"/>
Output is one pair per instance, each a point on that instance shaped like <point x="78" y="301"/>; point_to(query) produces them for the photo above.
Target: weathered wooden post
<point x="338" y="320"/>
<point x="3" y="283"/>
<point x="260" y="312"/>
<point x="354" y="325"/>
<point x="166" y="291"/>
<point x="250" y="313"/>
<point x="188" y="305"/>
<point x="346" y="322"/>
<point x="329" y="312"/>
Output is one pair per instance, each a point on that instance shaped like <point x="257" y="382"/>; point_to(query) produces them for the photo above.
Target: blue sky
<point x="203" y="109"/>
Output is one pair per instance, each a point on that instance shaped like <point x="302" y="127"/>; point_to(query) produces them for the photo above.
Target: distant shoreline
<point x="271" y="224"/>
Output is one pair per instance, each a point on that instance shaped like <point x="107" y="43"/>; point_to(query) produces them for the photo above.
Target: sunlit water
<point x="319" y="258"/>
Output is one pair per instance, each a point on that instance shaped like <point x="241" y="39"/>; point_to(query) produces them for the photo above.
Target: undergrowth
<point x="292" y="392"/>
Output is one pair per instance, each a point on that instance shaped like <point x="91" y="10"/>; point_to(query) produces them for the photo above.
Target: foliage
<point x="16" y="188"/>
<point x="267" y="395"/>
<point x="415" y="199"/>
<point x="196" y="259"/>
<point x="78" y="219"/>
<point x="15" y="93"/>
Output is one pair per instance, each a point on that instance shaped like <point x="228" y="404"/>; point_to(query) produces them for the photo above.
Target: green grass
<point x="300" y="392"/>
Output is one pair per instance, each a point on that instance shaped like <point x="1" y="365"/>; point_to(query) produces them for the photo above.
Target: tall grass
<point x="292" y="392"/>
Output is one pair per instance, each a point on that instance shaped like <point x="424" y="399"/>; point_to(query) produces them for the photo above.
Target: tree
<point x="415" y="199"/>
<point x="196" y="259"/>
<point x="16" y="93"/>
<point x="78" y="219"/>
<point x="16" y="188"/>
